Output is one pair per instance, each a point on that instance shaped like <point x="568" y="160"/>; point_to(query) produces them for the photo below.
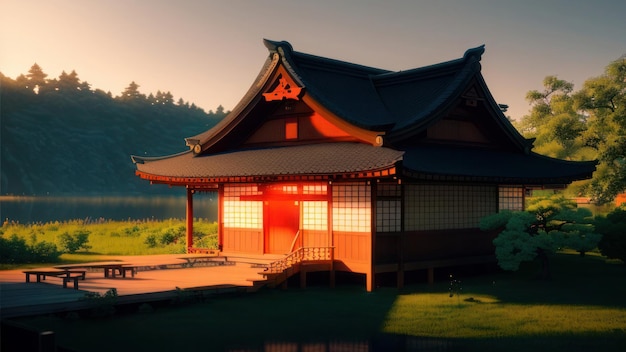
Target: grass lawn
<point x="583" y="308"/>
<point x="107" y="238"/>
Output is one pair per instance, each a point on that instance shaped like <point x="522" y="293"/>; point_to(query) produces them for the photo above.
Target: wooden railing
<point x="298" y="256"/>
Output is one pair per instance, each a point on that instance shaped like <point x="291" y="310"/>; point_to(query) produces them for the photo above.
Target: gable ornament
<point x="284" y="90"/>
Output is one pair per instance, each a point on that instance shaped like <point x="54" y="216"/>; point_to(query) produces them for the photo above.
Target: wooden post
<point x="189" y="218"/>
<point x="302" y="278"/>
<point x="331" y="240"/>
<point x="401" y="245"/>
<point x="370" y="275"/>
<point x="220" y="218"/>
<point x="332" y="267"/>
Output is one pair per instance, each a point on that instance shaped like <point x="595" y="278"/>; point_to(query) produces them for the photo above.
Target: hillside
<point x="60" y="137"/>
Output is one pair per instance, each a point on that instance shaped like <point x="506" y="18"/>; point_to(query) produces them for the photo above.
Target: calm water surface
<point x="44" y="209"/>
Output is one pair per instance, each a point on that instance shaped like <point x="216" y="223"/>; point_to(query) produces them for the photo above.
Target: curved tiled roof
<point x="398" y="105"/>
<point x="374" y="98"/>
<point x="493" y="165"/>
<point x="312" y="159"/>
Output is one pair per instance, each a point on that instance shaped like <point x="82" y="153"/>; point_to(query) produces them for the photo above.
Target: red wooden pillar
<point x="189" y="219"/>
<point x="220" y="218"/>
<point x="370" y="276"/>
<point x="331" y="238"/>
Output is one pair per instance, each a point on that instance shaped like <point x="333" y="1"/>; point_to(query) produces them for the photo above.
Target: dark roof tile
<point x="314" y="159"/>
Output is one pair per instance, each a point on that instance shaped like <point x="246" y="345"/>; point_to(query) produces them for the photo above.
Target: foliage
<point x="105" y="237"/>
<point x="553" y="120"/>
<point x="15" y="249"/>
<point x="589" y="124"/>
<point x="613" y="229"/>
<point x="102" y="305"/>
<point x="581" y="310"/>
<point x="91" y="134"/>
<point x="547" y="225"/>
<point x="73" y="243"/>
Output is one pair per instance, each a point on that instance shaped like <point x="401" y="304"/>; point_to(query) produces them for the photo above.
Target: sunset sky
<point x="209" y="52"/>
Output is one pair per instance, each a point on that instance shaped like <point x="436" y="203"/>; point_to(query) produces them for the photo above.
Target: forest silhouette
<point x="61" y="137"/>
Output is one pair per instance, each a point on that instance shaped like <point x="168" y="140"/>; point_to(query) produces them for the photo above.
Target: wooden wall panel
<point x="352" y="246"/>
<point x="243" y="240"/>
<point x="315" y="238"/>
<point x="428" y="245"/>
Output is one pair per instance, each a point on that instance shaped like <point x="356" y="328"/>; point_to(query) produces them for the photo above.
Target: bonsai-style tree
<point x="548" y="225"/>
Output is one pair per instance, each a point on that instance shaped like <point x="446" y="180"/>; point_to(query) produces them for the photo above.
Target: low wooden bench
<point x="110" y="269"/>
<point x="192" y="261"/>
<point x="66" y="275"/>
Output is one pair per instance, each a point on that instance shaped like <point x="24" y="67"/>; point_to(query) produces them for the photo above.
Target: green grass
<point x="112" y="238"/>
<point x="582" y="308"/>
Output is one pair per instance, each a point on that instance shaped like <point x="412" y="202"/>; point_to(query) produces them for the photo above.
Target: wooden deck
<point x="158" y="278"/>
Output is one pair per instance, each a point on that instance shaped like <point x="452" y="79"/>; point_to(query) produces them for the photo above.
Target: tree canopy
<point x="588" y="124"/>
<point x="547" y="225"/>
<point x="60" y="136"/>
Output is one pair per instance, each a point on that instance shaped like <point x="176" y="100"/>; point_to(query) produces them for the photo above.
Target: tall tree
<point x="132" y="93"/>
<point x="36" y="78"/>
<point x="603" y="100"/>
<point x="164" y="98"/>
<point x="553" y="120"/>
<point x="68" y="82"/>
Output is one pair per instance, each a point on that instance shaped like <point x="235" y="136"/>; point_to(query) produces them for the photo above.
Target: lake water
<point x="45" y="209"/>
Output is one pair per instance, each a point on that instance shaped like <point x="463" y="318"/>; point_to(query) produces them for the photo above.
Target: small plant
<point x="103" y="305"/>
<point x="455" y="288"/>
<point x="145" y="308"/>
<point x="182" y="296"/>
<point x="73" y="243"/>
<point x="151" y="241"/>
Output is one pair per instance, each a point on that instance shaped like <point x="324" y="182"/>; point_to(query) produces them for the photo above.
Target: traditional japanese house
<point x="370" y="170"/>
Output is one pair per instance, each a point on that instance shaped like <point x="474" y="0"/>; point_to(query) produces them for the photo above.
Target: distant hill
<point x="60" y="137"/>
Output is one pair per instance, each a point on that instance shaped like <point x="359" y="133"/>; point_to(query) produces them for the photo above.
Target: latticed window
<point x="445" y="206"/>
<point x="315" y="215"/>
<point x="315" y="188"/>
<point x="352" y="207"/>
<point x="388" y="208"/>
<point x="240" y="213"/>
<point x="511" y="198"/>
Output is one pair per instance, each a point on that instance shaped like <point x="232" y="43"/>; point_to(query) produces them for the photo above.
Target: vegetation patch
<point x="580" y="309"/>
<point x="84" y="240"/>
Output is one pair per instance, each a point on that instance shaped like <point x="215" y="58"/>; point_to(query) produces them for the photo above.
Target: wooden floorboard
<point x="18" y="298"/>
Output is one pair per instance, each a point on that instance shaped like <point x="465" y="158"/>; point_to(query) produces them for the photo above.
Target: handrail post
<point x="295" y="239"/>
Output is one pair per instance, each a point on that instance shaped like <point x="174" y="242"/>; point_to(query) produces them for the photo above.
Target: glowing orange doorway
<point x="283" y="224"/>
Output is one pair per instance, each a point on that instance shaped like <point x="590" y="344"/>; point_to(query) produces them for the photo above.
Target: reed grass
<point x="108" y="237"/>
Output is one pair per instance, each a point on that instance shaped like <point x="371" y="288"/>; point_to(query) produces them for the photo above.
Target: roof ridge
<point x="434" y="70"/>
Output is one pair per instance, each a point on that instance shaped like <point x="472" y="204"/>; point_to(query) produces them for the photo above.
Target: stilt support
<point x="189" y="219"/>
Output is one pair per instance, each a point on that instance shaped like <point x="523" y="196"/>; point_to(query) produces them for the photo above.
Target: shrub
<point x="549" y="224"/>
<point x="172" y="235"/>
<point x="102" y="305"/>
<point x="15" y="250"/>
<point x="45" y="252"/>
<point x="150" y="241"/>
<point x="72" y="244"/>
<point x="613" y="230"/>
<point x="168" y="237"/>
